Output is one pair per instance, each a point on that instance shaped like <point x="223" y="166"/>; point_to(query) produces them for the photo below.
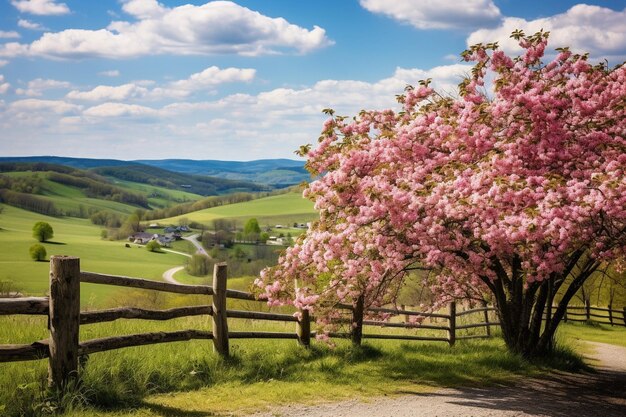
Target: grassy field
<point x="282" y="209"/>
<point x="164" y="197"/>
<point x="575" y="332"/>
<point x="187" y="378"/>
<point x="74" y="237"/>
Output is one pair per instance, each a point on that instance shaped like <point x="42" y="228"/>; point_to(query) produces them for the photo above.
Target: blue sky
<point x="141" y="79"/>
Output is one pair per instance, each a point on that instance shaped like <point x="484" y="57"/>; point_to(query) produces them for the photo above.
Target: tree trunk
<point x="521" y="310"/>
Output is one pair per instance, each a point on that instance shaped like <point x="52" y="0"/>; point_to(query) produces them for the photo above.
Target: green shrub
<point x="153" y="246"/>
<point x="37" y="252"/>
<point x="42" y="231"/>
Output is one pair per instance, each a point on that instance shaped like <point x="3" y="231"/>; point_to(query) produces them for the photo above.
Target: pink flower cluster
<point x="467" y="186"/>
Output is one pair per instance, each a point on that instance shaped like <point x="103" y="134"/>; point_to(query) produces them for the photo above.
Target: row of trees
<point x="23" y="184"/>
<point x="29" y="202"/>
<point x="100" y="188"/>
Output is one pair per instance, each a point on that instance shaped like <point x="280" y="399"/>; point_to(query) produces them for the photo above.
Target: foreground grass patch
<point x="575" y="332"/>
<point x="188" y="379"/>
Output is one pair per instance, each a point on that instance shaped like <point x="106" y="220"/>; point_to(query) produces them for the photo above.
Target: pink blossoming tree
<point x="517" y="191"/>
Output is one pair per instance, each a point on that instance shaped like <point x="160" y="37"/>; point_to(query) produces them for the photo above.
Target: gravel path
<point x="560" y="395"/>
<point x="168" y="276"/>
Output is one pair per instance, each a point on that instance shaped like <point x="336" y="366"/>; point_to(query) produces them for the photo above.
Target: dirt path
<point x="560" y="395"/>
<point x="168" y="276"/>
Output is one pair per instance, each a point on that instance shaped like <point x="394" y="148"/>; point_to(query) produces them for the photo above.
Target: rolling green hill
<point x="59" y="190"/>
<point x="74" y="237"/>
<point x="282" y="209"/>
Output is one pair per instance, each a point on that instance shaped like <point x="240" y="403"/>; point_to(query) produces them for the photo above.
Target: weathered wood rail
<point x="62" y="307"/>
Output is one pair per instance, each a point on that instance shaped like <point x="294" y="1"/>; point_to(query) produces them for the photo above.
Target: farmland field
<point x="279" y="209"/>
<point x="74" y="237"/>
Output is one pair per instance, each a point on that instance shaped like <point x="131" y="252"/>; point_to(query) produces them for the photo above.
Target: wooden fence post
<point x="486" y="313"/>
<point x="64" y="319"/>
<point x="624" y="315"/>
<point x="452" y="321"/>
<point x="611" y="314"/>
<point x="406" y="316"/>
<point x="356" y="333"/>
<point x="220" y="323"/>
<point x="588" y="309"/>
<point x="303" y="328"/>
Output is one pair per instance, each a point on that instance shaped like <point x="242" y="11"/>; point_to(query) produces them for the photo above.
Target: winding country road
<point x="561" y="394"/>
<point x="193" y="239"/>
<point x="168" y="276"/>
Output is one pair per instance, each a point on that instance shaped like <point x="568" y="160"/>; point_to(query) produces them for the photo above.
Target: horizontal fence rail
<point x="89" y="317"/>
<point x="118" y="342"/>
<point x="145" y="284"/>
<point x="24" y="305"/>
<point x="64" y="316"/>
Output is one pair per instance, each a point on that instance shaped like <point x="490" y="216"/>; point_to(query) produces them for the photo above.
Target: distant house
<point x="276" y="241"/>
<point x="165" y="240"/>
<point x="142" y="237"/>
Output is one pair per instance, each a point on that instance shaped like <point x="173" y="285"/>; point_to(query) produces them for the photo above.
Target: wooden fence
<point x="62" y="307"/>
<point x="600" y="315"/>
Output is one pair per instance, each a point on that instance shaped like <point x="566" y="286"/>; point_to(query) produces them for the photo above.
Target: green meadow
<point x="73" y="237"/>
<point x="282" y="209"/>
<point x="158" y="197"/>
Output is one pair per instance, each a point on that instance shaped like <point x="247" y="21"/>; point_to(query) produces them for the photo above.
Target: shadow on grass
<point x="51" y="242"/>
<point x="165" y="411"/>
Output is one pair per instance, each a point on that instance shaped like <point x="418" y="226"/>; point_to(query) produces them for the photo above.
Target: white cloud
<point x="144" y="9"/>
<point x="41" y="7"/>
<point x="108" y="110"/>
<point x="108" y="93"/>
<point x="9" y="35"/>
<point x="213" y="76"/>
<point x="347" y="97"/>
<point x="598" y="30"/>
<point x="217" y="27"/>
<point x="4" y="86"/>
<point x="438" y="14"/>
<point x="3" y="62"/>
<point x="48" y="106"/>
<point x="110" y="73"/>
<point x="207" y="79"/>
<point x="27" y="24"/>
<point x="37" y="86"/>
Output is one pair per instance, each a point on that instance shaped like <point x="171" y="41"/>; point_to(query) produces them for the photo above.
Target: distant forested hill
<point x="197" y="184"/>
<point x="276" y="173"/>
